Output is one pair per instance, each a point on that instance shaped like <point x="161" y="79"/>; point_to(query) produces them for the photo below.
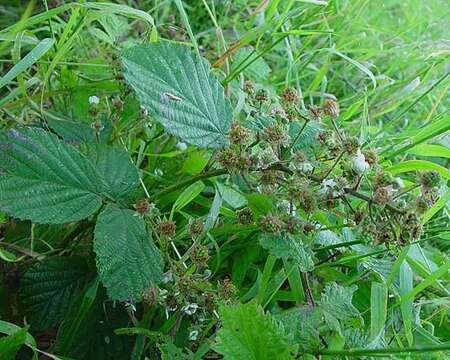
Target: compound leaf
<point x="128" y="261"/>
<point x="179" y="90"/>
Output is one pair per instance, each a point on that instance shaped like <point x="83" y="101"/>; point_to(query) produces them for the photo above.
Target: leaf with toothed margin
<point x="128" y="261"/>
<point x="179" y="90"/>
<point x="46" y="180"/>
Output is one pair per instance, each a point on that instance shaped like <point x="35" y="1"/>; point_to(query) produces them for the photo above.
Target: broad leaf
<point x="179" y="90"/>
<point x="303" y="324"/>
<point x="247" y="333"/>
<point x="128" y="261"/>
<point x="336" y="303"/>
<point x="116" y="169"/>
<point x="48" y="288"/>
<point x="288" y="247"/>
<point x="46" y="180"/>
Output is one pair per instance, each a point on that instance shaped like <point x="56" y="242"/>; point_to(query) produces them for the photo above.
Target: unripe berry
<point x="270" y="224"/>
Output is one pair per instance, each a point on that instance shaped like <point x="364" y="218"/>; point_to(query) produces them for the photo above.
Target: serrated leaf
<point x="48" y="288"/>
<point x="337" y="301"/>
<point x="116" y="169"/>
<point x="288" y="247"/>
<point x="128" y="261"/>
<point x="247" y="333"/>
<point x="46" y="180"/>
<point x="303" y="324"/>
<point x="179" y="90"/>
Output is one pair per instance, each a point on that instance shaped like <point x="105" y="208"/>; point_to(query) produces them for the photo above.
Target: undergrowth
<point x="224" y="179"/>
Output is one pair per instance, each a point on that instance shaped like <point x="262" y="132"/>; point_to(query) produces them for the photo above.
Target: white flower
<point x="158" y="172"/>
<point x="94" y="100"/>
<point x="167" y="277"/>
<point x="193" y="335"/>
<point x="359" y="162"/>
<point x="326" y="186"/>
<point x="181" y="146"/>
<point x="305" y="166"/>
<point x="399" y="182"/>
<point x="190" y="309"/>
<point x="163" y="293"/>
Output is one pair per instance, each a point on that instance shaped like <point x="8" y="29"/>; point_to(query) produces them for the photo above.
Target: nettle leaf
<point x="288" y="247"/>
<point x="48" y="288"/>
<point x="46" y="180"/>
<point x="128" y="261"/>
<point x="248" y="333"/>
<point x="179" y="90"/>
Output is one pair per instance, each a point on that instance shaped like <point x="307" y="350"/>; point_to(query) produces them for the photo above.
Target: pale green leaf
<point x="29" y="59"/>
<point x="378" y="309"/>
<point x="288" y="247"/>
<point x="178" y="89"/>
<point x="249" y="334"/>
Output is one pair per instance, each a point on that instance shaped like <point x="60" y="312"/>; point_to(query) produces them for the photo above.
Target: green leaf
<point x="337" y="301"/>
<point x="406" y="308"/>
<point x="179" y="90"/>
<point x="188" y="194"/>
<point x="10" y="345"/>
<point x="27" y="61"/>
<point x="46" y="181"/>
<point x="288" y="247"/>
<point x="49" y="181"/>
<point x="116" y="169"/>
<point x="128" y="261"/>
<point x="48" y="287"/>
<point x="428" y="281"/>
<point x="78" y="311"/>
<point x="378" y="309"/>
<point x="231" y="196"/>
<point x="247" y="333"/>
<point x="430" y="150"/>
<point x="414" y="165"/>
<point x="93" y="338"/>
<point x="303" y="324"/>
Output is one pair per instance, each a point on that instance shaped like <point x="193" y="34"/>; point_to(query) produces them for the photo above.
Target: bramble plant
<point x="288" y="201"/>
